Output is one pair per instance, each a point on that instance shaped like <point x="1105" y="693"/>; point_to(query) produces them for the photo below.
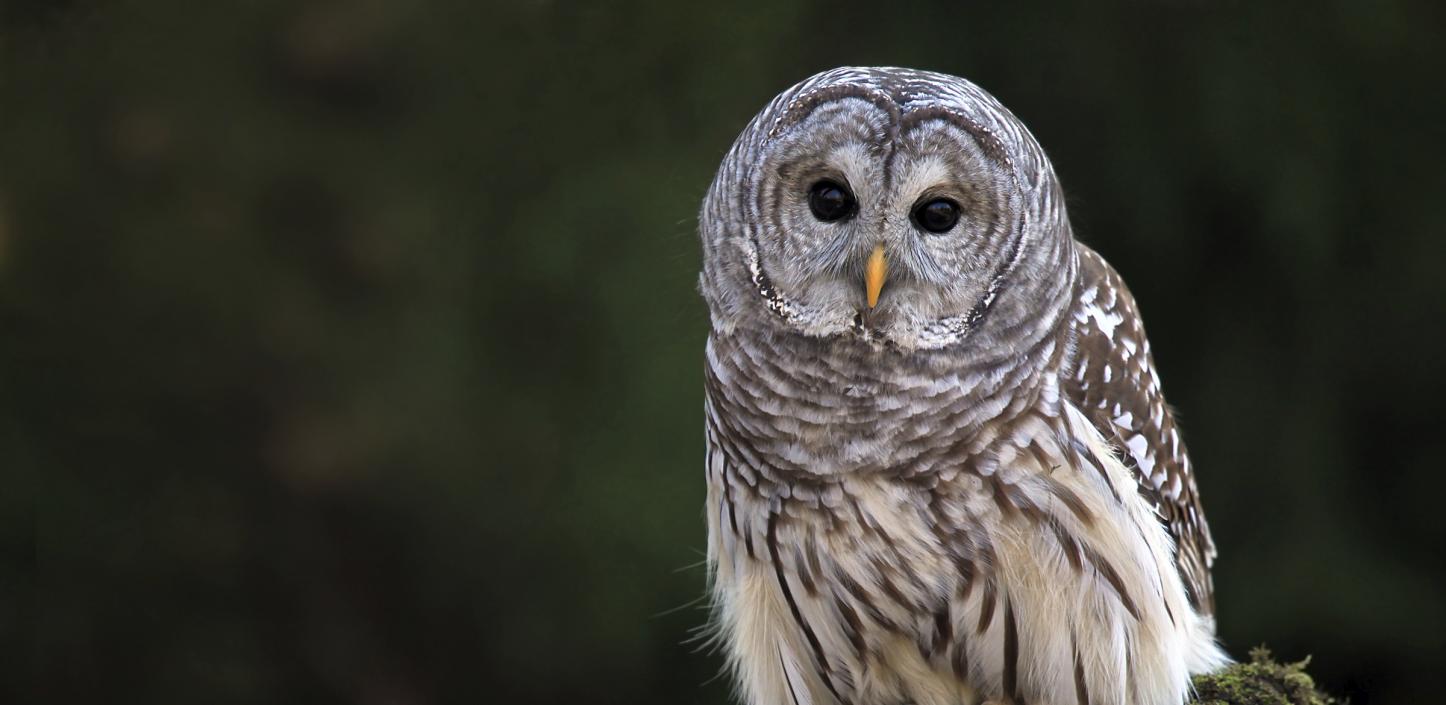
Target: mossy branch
<point x="1261" y="681"/>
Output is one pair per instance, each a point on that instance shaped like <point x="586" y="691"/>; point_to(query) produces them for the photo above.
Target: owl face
<point x="885" y="208"/>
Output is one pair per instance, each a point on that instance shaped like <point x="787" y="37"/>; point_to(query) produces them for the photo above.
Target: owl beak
<point x="874" y="273"/>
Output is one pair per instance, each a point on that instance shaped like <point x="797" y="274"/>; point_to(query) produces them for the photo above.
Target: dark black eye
<point x="937" y="216"/>
<point x="830" y="201"/>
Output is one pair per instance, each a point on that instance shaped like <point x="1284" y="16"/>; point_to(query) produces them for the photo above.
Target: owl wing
<point x="1113" y="381"/>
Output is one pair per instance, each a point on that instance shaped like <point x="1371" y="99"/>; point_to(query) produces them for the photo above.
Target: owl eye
<point x="937" y="216"/>
<point x="830" y="201"/>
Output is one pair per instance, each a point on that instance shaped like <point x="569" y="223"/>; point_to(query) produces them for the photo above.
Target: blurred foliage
<point x="352" y="354"/>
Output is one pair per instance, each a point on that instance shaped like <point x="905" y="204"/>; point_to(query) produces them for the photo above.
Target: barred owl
<point x="940" y="468"/>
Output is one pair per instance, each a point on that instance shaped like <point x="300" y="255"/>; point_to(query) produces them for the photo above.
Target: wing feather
<point x="1113" y="380"/>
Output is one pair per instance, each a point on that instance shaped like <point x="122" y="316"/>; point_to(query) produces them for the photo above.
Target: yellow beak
<point x="874" y="275"/>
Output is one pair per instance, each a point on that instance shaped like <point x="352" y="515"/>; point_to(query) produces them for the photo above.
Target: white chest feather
<point x="1038" y="576"/>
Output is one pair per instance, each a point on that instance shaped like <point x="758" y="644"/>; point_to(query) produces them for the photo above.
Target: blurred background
<point x="351" y="351"/>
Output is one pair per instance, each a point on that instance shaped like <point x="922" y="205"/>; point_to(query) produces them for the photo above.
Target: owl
<point x="940" y="469"/>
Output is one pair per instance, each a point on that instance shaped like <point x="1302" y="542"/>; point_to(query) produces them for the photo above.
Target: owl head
<point x="904" y="209"/>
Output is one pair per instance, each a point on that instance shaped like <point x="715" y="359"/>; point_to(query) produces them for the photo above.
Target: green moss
<point x="1262" y="681"/>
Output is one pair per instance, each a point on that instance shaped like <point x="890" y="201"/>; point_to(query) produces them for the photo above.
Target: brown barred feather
<point x="1128" y="407"/>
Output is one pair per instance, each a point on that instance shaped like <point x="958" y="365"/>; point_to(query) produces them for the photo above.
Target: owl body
<point x="924" y="486"/>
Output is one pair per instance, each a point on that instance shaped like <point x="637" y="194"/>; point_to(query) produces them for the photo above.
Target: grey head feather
<point x="1000" y="280"/>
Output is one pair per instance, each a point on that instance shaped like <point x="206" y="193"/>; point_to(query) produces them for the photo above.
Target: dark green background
<point x="351" y="351"/>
